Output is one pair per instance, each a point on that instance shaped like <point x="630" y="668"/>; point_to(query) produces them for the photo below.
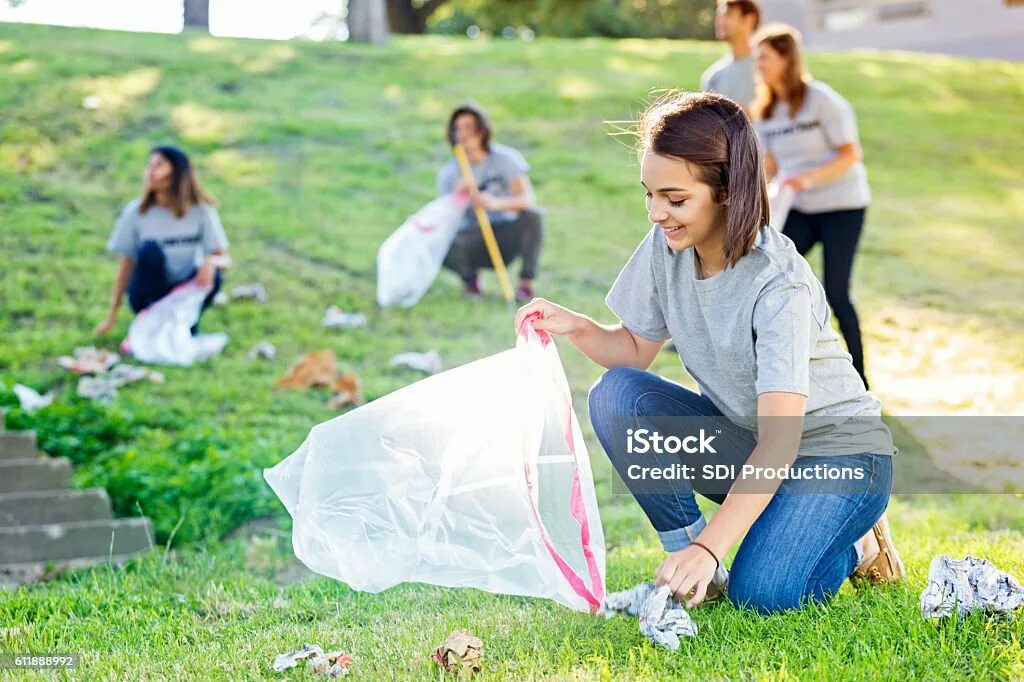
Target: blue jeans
<point x="149" y="281"/>
<point x="802" y="546"/>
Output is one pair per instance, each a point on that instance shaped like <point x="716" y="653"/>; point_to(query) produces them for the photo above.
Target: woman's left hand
<point x="688" y="570"/>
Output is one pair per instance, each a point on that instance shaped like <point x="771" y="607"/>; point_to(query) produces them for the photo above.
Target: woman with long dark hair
<point x="799" y="458"/>
<point x="809" y="134"/>
<point x="169" y="235"/>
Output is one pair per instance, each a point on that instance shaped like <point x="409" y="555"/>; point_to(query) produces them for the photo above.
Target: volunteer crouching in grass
<point x="777" y="391"/>
<point x="170" y="235"/>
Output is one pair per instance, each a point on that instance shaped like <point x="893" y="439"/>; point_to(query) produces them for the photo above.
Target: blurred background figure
<point x="733" y="74"/>
<point x="168" y="236"/>
<point x="811" y="143"/>
<point x="503" y="189"/>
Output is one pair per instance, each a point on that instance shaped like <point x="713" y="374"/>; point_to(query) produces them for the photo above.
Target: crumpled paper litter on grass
<point x="461" y="651"/>
<point x="969" y="584"/>
<point x="663" y="620"/>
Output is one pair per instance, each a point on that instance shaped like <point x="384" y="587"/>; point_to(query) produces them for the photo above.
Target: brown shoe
<point x="885" y="567"/>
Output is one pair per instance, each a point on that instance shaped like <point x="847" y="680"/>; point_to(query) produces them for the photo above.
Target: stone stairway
<point x="47" y="527"/>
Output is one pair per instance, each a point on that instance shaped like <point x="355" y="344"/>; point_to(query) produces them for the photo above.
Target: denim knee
<point x="758" y="591"/>
<point x="149" y="252"/>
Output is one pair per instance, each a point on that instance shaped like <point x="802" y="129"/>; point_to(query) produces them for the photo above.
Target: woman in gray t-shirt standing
<point x="783" y="434"/>
<point x="809" y="135"/>
<point x="170" y="235"/>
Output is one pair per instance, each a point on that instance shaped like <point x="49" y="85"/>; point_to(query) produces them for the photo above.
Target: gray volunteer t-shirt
<point x="731" y="77"/>
<point x="184" y="240"/>
<point x="760" y="326"/>
<point x="494" y="174"/>
<point x="825" y="122"/>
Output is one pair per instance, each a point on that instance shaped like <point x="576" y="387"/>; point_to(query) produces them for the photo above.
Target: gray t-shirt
<point x="731" y="77"/>
<point x="184" y="240"/>
<point x="760" y="326"/>
<point x="494" y="174"/>
<point x="825" y="122"/>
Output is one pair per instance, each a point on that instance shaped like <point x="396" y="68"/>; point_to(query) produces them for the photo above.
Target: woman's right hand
<point x="553" y="319"/>
<point x="104" y="327"/>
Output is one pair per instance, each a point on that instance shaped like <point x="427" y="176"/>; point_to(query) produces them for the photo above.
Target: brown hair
<point x="185" y="188"/>
<point x="746" y="8"/>
<point x="482" y="124"/>
<point x="787" y="41"/>
<point x="714" y="136"/>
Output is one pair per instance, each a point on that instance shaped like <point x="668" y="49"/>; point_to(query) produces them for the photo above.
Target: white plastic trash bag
<point x="409" y="260"/>
<point x="160" y="333"/>
<point x="476" y="477"/>
<point x="780" y="200"/>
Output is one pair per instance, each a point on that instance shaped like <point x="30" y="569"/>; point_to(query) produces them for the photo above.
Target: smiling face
<point x="679" y="203"/>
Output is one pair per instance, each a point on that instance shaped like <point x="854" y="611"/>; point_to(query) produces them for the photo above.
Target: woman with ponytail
<point x="166" y="237"/>
<point x="782" y="434"/>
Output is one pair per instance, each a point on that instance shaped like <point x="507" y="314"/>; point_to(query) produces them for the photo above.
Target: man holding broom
<point x="502" y="189"/>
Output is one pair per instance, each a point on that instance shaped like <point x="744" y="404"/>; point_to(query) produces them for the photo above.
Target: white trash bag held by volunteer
<point x="160" y="334"/>
<point x="408" y="261"/>
<point x="475" y="477"/>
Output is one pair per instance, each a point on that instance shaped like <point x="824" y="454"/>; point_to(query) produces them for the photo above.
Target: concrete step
<point x="41" y="473"/>
<point x="66" y="541"/>
<point x="18" y="445"/>
<point x="53" y="506"/>
<point x="13" y="576"/>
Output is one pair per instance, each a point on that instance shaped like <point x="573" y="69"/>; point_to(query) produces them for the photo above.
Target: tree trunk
<point x="197" y="13"/>
<point x="367" y="21"/>
<point x="405" y="17"/>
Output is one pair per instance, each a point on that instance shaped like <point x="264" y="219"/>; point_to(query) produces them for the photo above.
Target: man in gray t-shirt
<point x="760" y="326"/>
<point x="733" y="74"/>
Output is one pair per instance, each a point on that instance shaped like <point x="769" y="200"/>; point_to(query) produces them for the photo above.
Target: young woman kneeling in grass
<point x="778" y="394"/>
<point x="168" y="236"/>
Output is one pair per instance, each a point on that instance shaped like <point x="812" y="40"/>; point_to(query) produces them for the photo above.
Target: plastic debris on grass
<point x="663" y="620"/>
<point x="330" y="664"/>
<point x="30" y="399"/>
<point x="264" y="349"/>
<point x="250" y="292"/>
<point x="423" y="362"/>
<point x="89" y="360"/>
<point x="336" y="318"/>
<point x="461" y="652"/>
<point x="104" y="386"/>
<point x="320" y="369"/>
<point x="969" y="584"/>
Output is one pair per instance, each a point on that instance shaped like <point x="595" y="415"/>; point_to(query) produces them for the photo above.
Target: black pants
<point x="523" y="236"/>
<point x="149" y="282"/>
<point x="838" y="232"/>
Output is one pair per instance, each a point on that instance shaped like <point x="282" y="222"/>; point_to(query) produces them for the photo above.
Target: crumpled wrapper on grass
<point x="104" y="386"/>
<point x="89" y="360"/>
<point x="461" y="651"/>
<point x="30" y="399"/>
<point x="331" y="664"/>
<point x="251" y="292"/>
<point x="429" y="362"/>
<point x="969" y="584"/>
<point x="336" y="318"/>
<point x="663" y="620"/>
<point x="263" y="349"/>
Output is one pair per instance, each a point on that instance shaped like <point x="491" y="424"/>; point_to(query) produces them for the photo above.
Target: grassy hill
<point x="317" y="152"/>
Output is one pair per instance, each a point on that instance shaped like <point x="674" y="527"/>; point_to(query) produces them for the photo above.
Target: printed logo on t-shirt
<point x="793" y="128"/>
<point x="181" y="240"/>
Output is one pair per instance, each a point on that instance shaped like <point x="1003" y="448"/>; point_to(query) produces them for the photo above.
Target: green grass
<point x="317" y="152"/>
